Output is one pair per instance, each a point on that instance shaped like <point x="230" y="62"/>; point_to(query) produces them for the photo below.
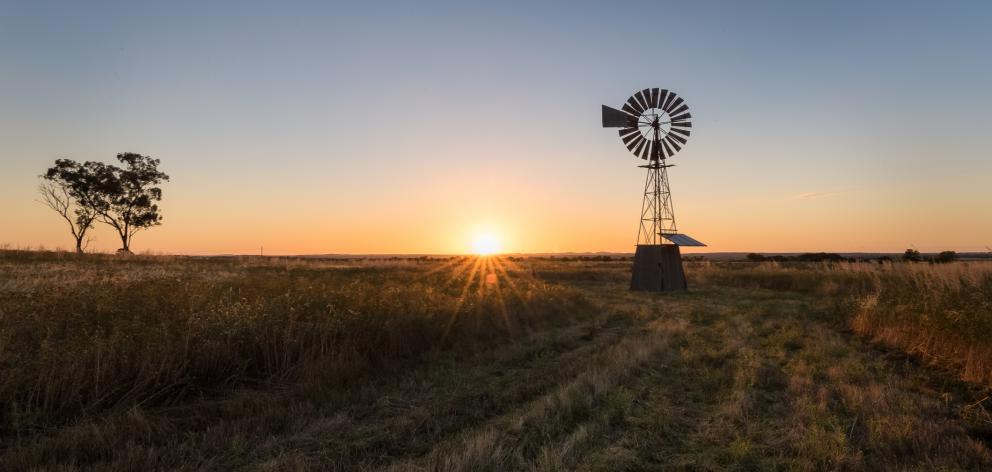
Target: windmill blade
<point x="674" y="144"/>
<point x="676" y="137"/>
<point x="682" y="124"/>
<point x="629" y="137"/>
<point x="668" y="150"/>
<point x="635" y="139"/>
<point x="640" y="103"/>
<point x="682" y="117"/>
<point x="683" y="132"/>
<point x="613" y="118"/>
<point x="640" y="146"/>
<point x="668" y="101"/>
<point x="634" y="107"/>
<point x="662" y="96"/>
<point x="653" y="99"/>
<point x="675" y="103"/>
<point x="646" y="93"/>
<point x="626" y="131"/>
<point x="648" y="150"/>
<point x="678" y="110"/>
<point x="641" y="99"/>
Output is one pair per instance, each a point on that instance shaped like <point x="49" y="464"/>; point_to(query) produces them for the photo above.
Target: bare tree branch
<point x="55" y="195"/>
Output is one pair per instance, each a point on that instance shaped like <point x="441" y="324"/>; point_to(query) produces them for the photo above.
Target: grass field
<point x="490" y="364"/>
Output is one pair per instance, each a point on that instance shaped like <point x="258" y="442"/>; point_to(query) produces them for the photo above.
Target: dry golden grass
<point x="79" y="335"/>
<point x="941" y="312"/>
<point x="177" y="363"/>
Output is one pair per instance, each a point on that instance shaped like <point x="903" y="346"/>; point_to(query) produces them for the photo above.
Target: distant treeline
<point x="911" y="255"/>
<point x="804" y="257"/>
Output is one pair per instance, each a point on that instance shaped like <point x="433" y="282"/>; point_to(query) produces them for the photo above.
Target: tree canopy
<point x="123" y="197"/>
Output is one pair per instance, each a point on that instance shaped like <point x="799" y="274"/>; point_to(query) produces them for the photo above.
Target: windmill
<point x="654" y="125"/>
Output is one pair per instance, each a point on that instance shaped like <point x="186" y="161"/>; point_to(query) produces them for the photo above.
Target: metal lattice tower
<point x="657" y="212"/>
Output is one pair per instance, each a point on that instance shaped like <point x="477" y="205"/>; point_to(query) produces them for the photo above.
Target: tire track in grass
<point x="677" y="403"/>
<point x="390" y="416"/>
<point x="437" y="402"/>
<point x="558" y="366"/>
<point x="518" y="439"/>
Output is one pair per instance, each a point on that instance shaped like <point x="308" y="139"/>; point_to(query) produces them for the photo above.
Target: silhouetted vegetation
<point x="912" y="255"/>
<point x="123" y="197"/>
<point x="56" y="194"/>
<point x="805" y="257"/>
<point x="946" y="256"/>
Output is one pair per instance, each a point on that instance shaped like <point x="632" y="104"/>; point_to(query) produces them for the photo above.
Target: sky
<point x="420" y="127"/>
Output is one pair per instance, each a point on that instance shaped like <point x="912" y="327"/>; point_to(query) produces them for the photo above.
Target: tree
<point x="56" y="194"/>
<point x="129" y="196"/>
<point x="912" y="255"/>
<point x="123" y="197"/>
<point x="947" y="256"/>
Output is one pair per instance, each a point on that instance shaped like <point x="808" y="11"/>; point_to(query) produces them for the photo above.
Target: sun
<point x="485" y="244"/>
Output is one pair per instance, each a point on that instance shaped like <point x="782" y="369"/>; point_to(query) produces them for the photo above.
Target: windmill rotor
<point x="654" y="123"/>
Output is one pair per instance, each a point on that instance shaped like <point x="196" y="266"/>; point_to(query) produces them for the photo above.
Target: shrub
<point x="912" y="255"/>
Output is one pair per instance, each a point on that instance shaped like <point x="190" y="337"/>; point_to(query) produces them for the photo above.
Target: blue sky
<point x="404" y="127"/>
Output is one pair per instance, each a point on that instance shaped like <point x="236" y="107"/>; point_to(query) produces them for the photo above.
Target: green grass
<point x="942" y="312"/>
<point x="488" y="364"/>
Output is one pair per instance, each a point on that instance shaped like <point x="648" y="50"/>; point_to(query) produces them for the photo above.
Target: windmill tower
<point x="654" y="125"/>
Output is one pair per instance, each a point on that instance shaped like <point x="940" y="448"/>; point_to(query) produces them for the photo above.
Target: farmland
<point x="466" y="363"/>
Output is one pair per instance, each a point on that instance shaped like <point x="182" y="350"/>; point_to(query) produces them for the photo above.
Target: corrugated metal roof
<point x="682" y="240"/>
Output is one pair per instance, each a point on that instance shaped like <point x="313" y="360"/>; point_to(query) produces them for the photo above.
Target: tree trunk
<point x="79" y="245"/>
<point x="124" y="245"/>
